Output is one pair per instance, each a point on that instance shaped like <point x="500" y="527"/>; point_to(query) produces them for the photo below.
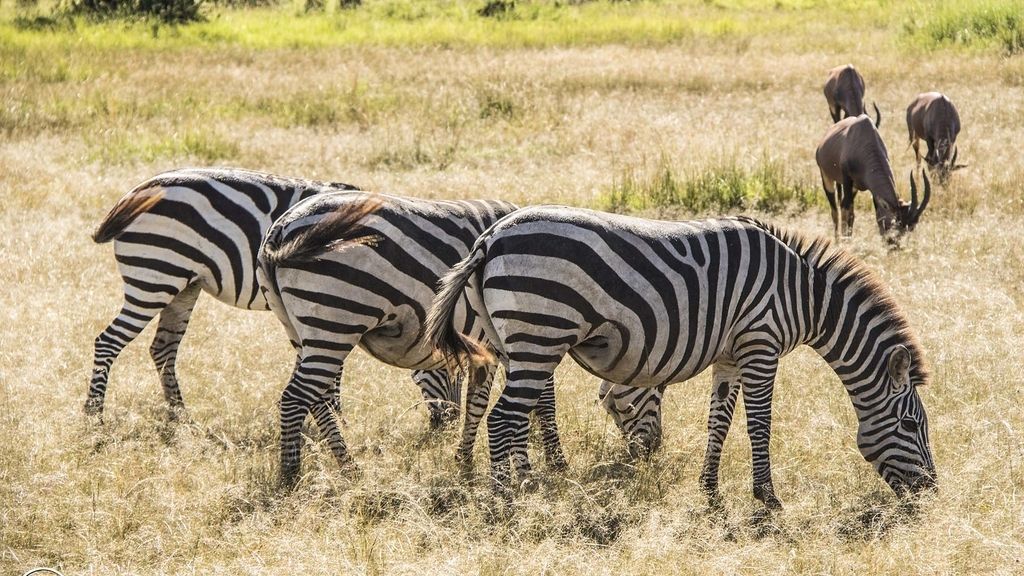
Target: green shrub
<point x="723" y="187"/>
<point x="168" y="11"/>
<point x="497" y="8"/>
<point x="999" y="23"/>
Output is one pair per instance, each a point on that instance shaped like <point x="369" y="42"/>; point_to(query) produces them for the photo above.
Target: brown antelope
<point x="933" y="118"/>
<point x="844" y="92"/>
<point x="852" y="157"/>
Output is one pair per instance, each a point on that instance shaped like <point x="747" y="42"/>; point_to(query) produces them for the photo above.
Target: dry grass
<point x="550" y="124"/>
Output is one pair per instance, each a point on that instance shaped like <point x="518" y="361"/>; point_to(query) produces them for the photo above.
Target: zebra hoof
<point x="529" y="485"/>
<point x="716" y="505"/>
<point x="288" y="481"/>
<point x="766" y="494"/>
<point x="504" y="496"/>
<point x="178" y="415"/>
<point x="93" y="407"/>
<point x="348" y="467"/>
<point x="466" y="471"/>
<point x="558" y="463"/>
<point x="442" y="419"/>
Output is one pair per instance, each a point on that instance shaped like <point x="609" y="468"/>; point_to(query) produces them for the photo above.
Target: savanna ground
<point x="670" y="109"/>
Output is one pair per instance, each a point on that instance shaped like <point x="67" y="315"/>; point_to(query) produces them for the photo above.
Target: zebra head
<point x="894" y="436"/>
<point x="637" y="413"/>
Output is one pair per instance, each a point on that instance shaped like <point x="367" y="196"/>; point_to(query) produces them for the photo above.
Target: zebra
<point x="186" y="231"/>
<point x="648" y="303"/>
<point x="347" y="269"/>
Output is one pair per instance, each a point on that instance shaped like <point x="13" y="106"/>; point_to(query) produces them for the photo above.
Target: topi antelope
<point x="852" y="157"/>
<point x="844" y="92"/>
<point x="933" y="118"/>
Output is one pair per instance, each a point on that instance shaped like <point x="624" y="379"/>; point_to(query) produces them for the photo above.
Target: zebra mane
<point x="334" y="231"/>
<point x="822" y="255"/>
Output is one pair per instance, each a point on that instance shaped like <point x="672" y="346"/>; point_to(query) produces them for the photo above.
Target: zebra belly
<point x="632" y="369"/>
<point x="259" y="302"/>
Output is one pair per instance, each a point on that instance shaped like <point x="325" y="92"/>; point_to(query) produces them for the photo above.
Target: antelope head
<point x="943" y="167"/>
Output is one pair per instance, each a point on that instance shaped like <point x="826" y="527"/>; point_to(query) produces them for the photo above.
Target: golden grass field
<point x="88" y="112"/>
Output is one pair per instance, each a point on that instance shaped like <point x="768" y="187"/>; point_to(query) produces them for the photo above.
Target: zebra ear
<point x="899" y="367"/>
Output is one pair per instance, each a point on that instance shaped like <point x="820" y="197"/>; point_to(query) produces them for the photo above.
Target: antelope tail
<point x="127" y="209"/>
<point x="459" y="351"/>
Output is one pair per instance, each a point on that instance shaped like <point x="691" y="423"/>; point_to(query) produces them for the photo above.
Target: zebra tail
<point x="337" y="230"/>
<point x="458" y="350"/>
<point x="127" y="209"/>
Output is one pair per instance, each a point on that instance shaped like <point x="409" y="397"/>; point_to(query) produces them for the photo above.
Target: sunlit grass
<point x="980" y="24"/>
<point x="456" y="23"/>
<point x="665" y="109"/>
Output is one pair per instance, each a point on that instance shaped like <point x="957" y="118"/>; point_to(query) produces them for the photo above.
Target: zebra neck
<point x="857" y="329"/>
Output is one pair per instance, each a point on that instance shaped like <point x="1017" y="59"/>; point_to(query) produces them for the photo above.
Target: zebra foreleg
<point x="478" y="392"/>
<point x="758" y="381"/>
<point x="724" y="393"/>
<point x="442" y="394"/>
<point x="164" y="350"/>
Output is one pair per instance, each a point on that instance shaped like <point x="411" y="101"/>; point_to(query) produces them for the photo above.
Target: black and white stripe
<point x="648" y="303"/>
<point x="351" y="269"/>
<point x="187" y="231"/>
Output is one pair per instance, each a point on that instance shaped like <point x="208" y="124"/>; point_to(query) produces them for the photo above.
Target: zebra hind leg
<point x="724" y="393"/>
<point x="136" y="312"/>
<point x="442" y="394"/>
<point x="508" y="423"/>
<point x="310" y="386"/>
<point x="327" y="413"/>
<point x="164" y="350"/>
<point x="549" y="429"/>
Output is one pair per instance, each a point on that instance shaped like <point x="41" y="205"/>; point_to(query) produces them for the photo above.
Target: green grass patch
<point x="195" y="146"/>
<point x="453" y="23"/>
<point x="984" y="24"/>
<point x="721" y="187"/>
<point x="326" y="109"/>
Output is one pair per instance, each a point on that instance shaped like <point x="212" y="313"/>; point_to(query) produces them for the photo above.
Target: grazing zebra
<point x="648" y="303"/>
<point x="360" y="269"/>
<point x="185" y="231"/>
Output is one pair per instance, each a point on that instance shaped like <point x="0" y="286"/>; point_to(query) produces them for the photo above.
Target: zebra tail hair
<point x="337" y="230"/>
<point x="459" y="351"/>
<point x="127" y="209"/>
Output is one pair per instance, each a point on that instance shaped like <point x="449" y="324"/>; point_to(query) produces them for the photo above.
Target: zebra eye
<point x="909" y="424"/>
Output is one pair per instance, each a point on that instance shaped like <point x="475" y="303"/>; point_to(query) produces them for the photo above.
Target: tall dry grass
<point x="548" y="124"/>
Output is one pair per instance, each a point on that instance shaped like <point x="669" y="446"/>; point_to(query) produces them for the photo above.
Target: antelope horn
<point x="919" y="210"/>
<point x="913" y="194"/>
<point x="927" y="196"/>
<point x="953" y="165"/>
<point x="878" y="116"/>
